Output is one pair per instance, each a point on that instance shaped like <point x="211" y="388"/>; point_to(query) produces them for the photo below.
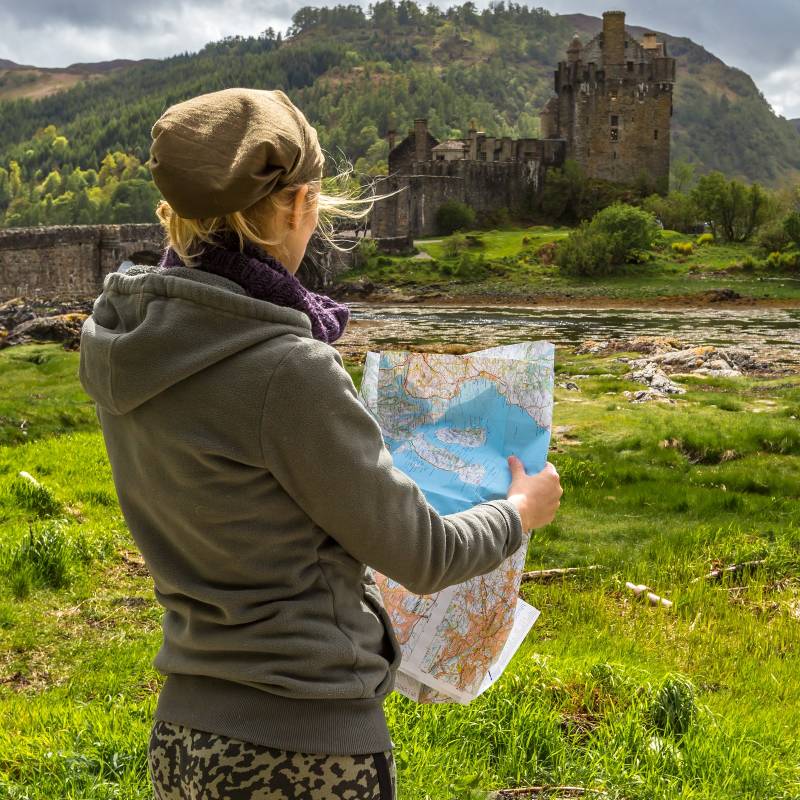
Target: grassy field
<point x="513" y="266"/>
<point x="697" y="701"/>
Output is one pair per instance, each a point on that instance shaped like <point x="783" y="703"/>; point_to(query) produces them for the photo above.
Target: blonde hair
<point x="254" y="224"/>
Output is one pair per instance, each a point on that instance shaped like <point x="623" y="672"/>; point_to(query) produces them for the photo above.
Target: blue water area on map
<point x="509" y="431"/>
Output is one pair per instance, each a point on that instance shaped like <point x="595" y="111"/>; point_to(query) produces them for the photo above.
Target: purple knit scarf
<point x="262" y="276"/>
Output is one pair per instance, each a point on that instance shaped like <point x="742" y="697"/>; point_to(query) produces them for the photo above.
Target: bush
<point x="628" y="228"/>
<point x="586" y="252"/>
<point x="683" y="248"/>
<point x="704" y="238"/>
<point x="365" y="252"/>
<point x="773" y="236"/>
<point x="455" y="244"/>
<point x="783" y="261"/>
<point x="617" y="235"/>
<point x="454" y="215"/>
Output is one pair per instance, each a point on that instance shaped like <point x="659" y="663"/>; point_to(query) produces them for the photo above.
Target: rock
<point x="646" y="396"/>
<point x="652" y="376"/>
<point x="570" y="386"/>
<point x="720" y="295"/>
<point x="63" y="328"/>
<point x="717" y="373"/>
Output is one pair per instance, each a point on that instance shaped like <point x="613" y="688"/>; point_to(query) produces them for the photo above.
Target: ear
<point x="297" y="206"/>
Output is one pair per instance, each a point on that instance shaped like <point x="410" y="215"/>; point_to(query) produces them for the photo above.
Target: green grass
<point x="513" y="268"/>
<point x="699" y="701"/>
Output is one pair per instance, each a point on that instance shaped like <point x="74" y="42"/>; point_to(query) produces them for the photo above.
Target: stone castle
<point x="611" y="113"/>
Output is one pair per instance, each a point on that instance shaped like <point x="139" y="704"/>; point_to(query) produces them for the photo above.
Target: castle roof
<point x="450" y="144"/>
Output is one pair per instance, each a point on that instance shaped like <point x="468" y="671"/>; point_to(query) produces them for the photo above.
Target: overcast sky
<point x="758" y="37"/>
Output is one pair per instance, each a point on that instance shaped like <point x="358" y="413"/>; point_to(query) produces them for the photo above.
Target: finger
<point x="516" y="467"/>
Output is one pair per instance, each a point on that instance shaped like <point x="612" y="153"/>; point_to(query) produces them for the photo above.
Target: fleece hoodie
<point x="259" y="491"/>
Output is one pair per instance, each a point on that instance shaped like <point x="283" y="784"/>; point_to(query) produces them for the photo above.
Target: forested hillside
<point x="78" y="156"/>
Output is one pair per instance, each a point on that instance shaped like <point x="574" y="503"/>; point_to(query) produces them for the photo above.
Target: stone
<point x="63" y="328"/>
<point x="650" y="374"/>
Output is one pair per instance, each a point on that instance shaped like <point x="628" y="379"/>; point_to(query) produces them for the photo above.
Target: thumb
<point x="516" y="467"/>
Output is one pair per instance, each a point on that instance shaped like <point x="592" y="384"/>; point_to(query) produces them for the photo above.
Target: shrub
<point x="783" y="261"/>
<point x="498" y="218"/>
<point x="704" y="238"/>
<point x="749" y="264"/>
<point x="683" y="248"/>
<point x="365" y="253"/>
<point x="791" y="226"/>
<point x="773" y="236"/>
<point x="455" y="244"/>
<point x="615" y="236"/>
<point x="453" y="215"/>
<point x="586" y="252"/>
<point x="633" y="228"/>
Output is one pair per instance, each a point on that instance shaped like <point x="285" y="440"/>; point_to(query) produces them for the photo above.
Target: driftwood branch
<point x="640" y="590"/>
<point x="547" y="575"/>
<point x="733" y="569"/>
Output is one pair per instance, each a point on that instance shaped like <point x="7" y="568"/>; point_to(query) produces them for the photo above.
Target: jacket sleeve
<point x="327" y="452"/>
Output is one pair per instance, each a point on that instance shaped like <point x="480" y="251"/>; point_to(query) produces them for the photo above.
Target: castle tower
<point x="613" y="105"/>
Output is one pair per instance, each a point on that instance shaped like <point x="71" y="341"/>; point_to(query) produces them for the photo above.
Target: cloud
<point x="56" y="33"/>
<point x="759" y="38"/>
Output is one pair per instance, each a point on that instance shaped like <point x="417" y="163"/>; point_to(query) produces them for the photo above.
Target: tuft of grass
<point x="34" y="497"/>
<point x="674" y="706"/>
<point x="45" y="557"/>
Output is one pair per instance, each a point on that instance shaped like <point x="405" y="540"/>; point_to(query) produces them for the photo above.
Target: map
<point x="450" y="423"/>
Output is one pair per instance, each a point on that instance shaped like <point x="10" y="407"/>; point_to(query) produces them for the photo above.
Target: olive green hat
<point x="221" y="152"/>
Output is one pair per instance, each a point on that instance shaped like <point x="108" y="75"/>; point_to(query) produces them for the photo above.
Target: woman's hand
<point x="537" y="497"/>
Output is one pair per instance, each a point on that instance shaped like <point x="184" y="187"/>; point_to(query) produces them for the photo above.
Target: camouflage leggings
<point x="187" y="764"/>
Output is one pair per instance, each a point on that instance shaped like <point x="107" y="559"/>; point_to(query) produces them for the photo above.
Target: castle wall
<point x="483" y="185"/>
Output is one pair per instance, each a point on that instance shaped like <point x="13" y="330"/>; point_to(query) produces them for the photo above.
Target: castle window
<point x="655" y="134"/>
<point x="614" y="128"/>
<point x="630" y="66"/>
<point x="481" y="156"/>
<point x="614" y="120"/>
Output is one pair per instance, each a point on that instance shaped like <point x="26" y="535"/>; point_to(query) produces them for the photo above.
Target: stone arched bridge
<point x="73" y="260"/>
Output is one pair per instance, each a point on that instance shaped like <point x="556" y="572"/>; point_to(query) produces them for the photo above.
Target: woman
<point x="255" y="484"/>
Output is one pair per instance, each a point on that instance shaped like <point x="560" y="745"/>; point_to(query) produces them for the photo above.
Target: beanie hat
<point x="223" y="151"/>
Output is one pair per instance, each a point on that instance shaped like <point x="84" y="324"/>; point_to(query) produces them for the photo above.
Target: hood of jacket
<point x="149" y="331"/>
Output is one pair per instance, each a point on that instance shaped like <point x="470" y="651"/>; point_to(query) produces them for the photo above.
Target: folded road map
<point x="450" y="422"/>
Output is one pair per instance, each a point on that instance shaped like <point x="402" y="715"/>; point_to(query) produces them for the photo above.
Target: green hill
<point x="355" y="76"/>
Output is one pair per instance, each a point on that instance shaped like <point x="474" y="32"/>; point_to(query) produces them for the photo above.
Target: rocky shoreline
<point x="365" y="291"/>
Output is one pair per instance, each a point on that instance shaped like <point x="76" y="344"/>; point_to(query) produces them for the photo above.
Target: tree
<point x="792" y="227"/>
<point x="677" y="211"/>
<point x="732" y="209"/>
<point x="681" y="176"/>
